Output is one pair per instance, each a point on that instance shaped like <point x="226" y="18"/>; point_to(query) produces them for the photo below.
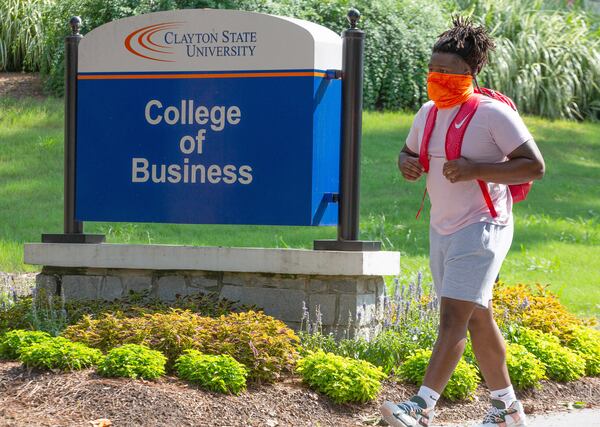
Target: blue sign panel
<point x="234" y="150"/>
<point x="208" y="117"/>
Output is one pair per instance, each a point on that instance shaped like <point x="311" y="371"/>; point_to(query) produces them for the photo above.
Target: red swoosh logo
<point x="138" y="42"/>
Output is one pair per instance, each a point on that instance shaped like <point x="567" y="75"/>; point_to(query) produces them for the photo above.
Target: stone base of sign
<point x="107" y="272"/>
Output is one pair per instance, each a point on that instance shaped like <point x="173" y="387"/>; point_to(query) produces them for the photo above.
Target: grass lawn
<point x="557" y="234"/>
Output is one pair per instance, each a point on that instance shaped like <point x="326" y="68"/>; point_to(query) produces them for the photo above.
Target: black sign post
<point x="352" y="94"/>
<point x="73" y="229"/>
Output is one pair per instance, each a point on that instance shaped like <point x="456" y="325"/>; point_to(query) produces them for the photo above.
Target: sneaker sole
<point x="521" y="424"/>
<point x="387" y="411"/>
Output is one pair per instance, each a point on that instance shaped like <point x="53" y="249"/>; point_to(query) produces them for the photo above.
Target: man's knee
<point x="453" y="320"/>
<point x="480" y="321"/>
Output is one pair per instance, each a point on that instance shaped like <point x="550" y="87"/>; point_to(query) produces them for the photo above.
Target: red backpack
<point x="454" y="140"/>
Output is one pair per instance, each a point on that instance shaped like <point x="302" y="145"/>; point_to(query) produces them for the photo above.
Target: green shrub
<point x="469" y="354"/>
<point x="462" y="384"/>
<point x="221" y="373"/>
<point x="59" y="353"/>
<point x="52" y="314"/>
<point x="266" y="346"/>
<point x="547" y="57"/>
<point x="586" y="342"/>
<point x="133" y="361"/>
<point x="561" y="363"/>
<point x="400" y="34"/>
<point x="341" y="378"/>
<point x="12" y="342"/>
<point x="525" y="370"/>
<point x="386" y="350"/>
<point x="169" y="333"/>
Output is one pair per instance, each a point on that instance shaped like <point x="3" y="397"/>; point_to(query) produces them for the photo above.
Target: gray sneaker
<point x="411" y="413"/>
<point x="501" y="416"/>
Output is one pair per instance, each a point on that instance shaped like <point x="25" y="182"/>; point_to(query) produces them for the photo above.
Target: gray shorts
<point x="465" y="264"/>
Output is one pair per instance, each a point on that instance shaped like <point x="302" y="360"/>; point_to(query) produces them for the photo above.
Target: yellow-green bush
<point x="462" y="384"/>
<point x="341" y="378"/>
<point x="12" y="342"/>
<point x="133" y="361"/>
<point x="524" y="369"/>
<point x="561" y="363"/>
<point x="266" y="346"/>
<point x="536" y="309"/>
<point x="59" y="353"/>
<point x="586" y="342"/>
<point x="220" y="373"/>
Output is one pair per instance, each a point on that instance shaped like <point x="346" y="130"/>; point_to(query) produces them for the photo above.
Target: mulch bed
<point x="34" y="398"/>
<point x="21" y="85"/>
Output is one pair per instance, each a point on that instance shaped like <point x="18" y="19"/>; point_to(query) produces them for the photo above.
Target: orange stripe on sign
<point x="194" y="76"/>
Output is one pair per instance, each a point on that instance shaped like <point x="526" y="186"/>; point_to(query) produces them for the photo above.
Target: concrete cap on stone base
<point x="174" y="257"/>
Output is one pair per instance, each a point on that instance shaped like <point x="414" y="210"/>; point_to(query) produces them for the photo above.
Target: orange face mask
<point x="448" y="90"/>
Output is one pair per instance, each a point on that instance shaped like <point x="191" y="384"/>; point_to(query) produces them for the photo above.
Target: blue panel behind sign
<point x="273" y="163"/>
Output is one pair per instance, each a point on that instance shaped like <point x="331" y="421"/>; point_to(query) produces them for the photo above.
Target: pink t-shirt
<point x="495" y="131"/>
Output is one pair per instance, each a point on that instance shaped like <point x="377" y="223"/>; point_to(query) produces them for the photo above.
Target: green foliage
<point x="407" y="320"/>
<point x="341" y="378"/>
<point x="462" y="384"/>
<point x="547" y="57"/>
<point x="133" y="361"/>
<point x="170" y="333"/>
<point x="524" y="369"/>
<point x="12" y="342"/>
<point x="59" y="353"/>
<point x="53" y="314"/>
<point x="536" y="308"/>
<point x="21" y="34"/>
<point x="266" y="346"/>
<point x="386" y="350"/>
<point x="220" y="373"/>
<point x="398" y="44"/>
<point x="586" y="342"/>
<point x="561" y="363"/>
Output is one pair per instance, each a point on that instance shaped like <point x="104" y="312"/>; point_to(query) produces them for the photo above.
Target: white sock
<point x="429" y="396"/>
<point x="507" y="395"/>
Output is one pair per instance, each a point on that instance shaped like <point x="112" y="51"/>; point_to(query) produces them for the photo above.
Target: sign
<point x="208" y="116"/>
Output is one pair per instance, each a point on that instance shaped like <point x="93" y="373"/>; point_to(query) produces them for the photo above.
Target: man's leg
<point x="450" y="344"/>
<point x="489" y="348"/>
<point x="448" y="349"/>
<point x="490" y="351"/>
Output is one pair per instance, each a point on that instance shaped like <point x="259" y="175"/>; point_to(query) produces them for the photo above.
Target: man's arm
<point x="408" y="163"/>
<point x="525" y="164"/>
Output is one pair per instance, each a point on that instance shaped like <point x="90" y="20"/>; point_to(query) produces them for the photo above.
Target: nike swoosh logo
<point x="502" y="395"/>
<point x="459" y="125"/>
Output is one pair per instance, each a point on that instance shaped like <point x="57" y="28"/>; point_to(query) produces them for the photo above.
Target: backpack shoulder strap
<point x="424" y="149"/>
<point x="458" y="127"/>
<point x="494" y="94"/>
<point x="454" y="141"/>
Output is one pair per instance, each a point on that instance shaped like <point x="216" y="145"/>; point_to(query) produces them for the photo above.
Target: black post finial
<point x="75" y="24"/>
<point x="353" y="17"/>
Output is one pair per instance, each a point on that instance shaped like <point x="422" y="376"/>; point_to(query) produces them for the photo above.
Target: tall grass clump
<point x="400" y="34"/>
<point x="547" y="57"/>
<point x="21" y="34"/>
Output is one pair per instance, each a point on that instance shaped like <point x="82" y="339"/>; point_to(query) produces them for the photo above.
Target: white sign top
<point x="209" y="40"/>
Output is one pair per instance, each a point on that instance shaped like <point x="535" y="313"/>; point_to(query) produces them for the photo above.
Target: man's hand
<point x="410" y="167"/>
<point x="459" y="170"/>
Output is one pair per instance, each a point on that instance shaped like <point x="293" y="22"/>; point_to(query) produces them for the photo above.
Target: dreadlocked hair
<point x="467" y="41"/>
